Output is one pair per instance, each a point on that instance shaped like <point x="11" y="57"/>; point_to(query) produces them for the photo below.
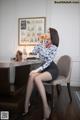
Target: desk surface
<point x="7" y="64"/>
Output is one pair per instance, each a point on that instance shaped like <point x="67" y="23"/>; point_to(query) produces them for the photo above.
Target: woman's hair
<point x="54" y="36"/>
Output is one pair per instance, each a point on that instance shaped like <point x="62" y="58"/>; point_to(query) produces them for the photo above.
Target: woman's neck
<point x="48" y="45"/>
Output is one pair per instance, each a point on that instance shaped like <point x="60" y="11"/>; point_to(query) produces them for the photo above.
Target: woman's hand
<point x="32" y="72"/>
<point x="36" y="71"/>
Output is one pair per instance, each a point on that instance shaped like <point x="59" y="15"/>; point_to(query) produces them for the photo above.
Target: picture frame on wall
<point x="29" y="29"/>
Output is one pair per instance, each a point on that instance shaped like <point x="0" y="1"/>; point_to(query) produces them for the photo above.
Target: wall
<point x="64" y="17"/>
<point x="10" y="11"/>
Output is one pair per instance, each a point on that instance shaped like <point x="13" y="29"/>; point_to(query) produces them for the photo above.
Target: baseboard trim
<point x="75" y="83"/>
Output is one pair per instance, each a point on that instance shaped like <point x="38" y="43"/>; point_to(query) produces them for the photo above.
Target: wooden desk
<point x="11" y="65"/>
<point x="12" y="92"/>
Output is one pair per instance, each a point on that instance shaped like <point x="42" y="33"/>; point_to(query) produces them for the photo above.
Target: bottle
<point x="24" y="54"/>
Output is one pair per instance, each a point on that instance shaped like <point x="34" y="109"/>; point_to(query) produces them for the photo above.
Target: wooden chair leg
<point x="52" y="97"/>
<point x="69" y="92"/>
<point x="58" y="87"/>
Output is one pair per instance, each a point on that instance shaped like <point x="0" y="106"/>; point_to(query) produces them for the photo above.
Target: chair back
<point x="64" y="65"/>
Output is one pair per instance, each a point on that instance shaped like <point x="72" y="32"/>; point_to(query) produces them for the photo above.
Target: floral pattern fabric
<point x="45" y="54"/>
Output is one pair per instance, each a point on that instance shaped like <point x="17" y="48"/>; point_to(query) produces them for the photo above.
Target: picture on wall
<point x="29" y="29"/>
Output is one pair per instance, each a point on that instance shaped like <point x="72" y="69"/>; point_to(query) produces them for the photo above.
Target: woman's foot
<point x="47" y="113"/>
<point x="24" y="114"/>
<point x="26" y="110"/>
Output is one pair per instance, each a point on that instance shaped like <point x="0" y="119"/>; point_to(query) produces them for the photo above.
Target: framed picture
<point x="29" y="29"/>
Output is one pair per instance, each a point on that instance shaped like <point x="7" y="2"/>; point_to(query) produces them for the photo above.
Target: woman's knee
<point x="37" y="79"/>
<point x="31" y="77"/>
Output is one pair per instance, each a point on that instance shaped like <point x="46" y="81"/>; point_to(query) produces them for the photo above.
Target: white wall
<point x="64" y="17"/>
<point x="10" y="11"/>
<point x="8" y="28"/>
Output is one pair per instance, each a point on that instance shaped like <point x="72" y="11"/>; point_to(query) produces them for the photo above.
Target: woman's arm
<point x="36" y="49"/>
<point x="45" y="65"/>
<point x="49" y="59"/>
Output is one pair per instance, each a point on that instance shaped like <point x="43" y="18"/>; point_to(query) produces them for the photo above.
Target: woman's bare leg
<point x="29" y="89"/>
<point x="28" y="93"/>
<point x="38" y="80"/>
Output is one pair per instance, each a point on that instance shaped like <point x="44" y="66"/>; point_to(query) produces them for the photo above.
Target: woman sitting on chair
<point x="46" y="72"/>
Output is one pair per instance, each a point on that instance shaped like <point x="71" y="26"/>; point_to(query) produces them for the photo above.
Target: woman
<point x="48" y="71"/>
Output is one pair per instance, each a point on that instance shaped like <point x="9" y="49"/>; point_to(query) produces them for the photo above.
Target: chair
<point x="64" y="65"/>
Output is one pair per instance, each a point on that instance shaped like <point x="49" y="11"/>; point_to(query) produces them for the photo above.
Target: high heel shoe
<point x="26" y="113"/>
<point x="48" y="117"/>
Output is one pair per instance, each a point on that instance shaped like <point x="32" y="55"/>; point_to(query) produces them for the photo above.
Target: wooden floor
<point x="63" y="109"/>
